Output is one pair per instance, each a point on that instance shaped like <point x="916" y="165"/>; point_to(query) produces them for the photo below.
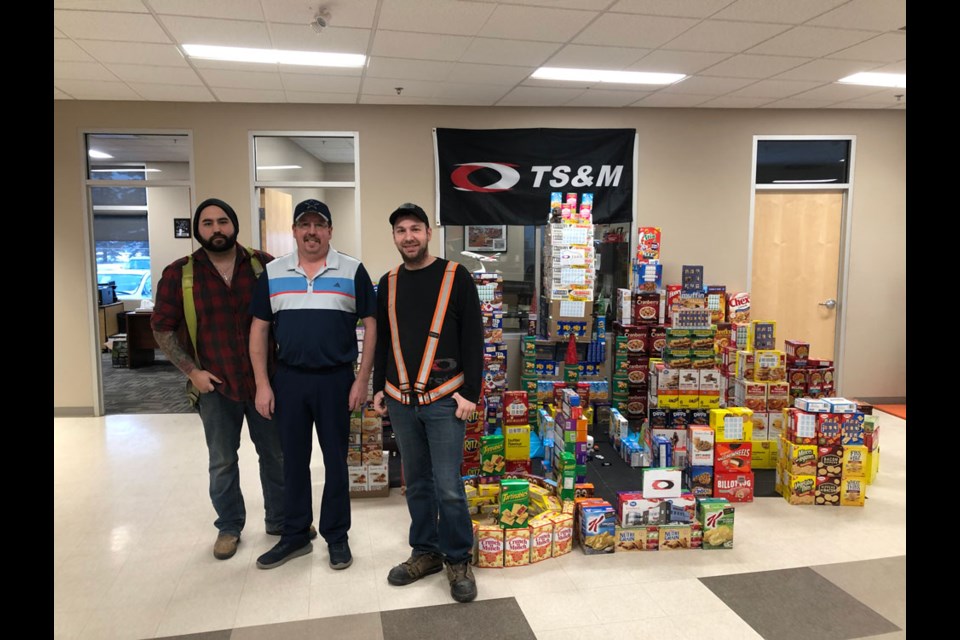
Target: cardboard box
<point x="674" y="536"/>
<point x="541" y="539"/>
<point x="700" y="441"/>
<point x="517" y="442"/>
<point x="699" y="479"/>
<point x="827" y="492"/>
<point x="853" y="491"/>
<point x="489" y="546"/>
<point x="852" y="429"/>
<point x="562" y="533"/>
<point x="855" y="461"/>
<point x="516" y="547"/>
<point x="828" y="429"/>
<point x="732" y="457"/>
<point x="800" y="489"/>
<point x="664" y="482"/>
<point x="716" y="517"/>
<point x="735" y="487"/>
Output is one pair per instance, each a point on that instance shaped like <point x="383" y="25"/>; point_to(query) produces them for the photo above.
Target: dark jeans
<point x="431" y="451"/>
<point x="302" y="399"/>
<point x="222" y="421"/>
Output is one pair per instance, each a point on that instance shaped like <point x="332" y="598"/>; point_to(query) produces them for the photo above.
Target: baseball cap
<point x="312" y="206"/>
<point x="409" y="209"/>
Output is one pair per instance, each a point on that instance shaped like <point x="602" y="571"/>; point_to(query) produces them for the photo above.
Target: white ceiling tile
<point x="212" y="31"/>
<point x="58" y="34"/>
<point x="394" y="99"/>
<point x="314" y="97"/>
<point x="796" y="103"/>
<point x="854" y="104"/>
<point x="825" y="70"/>
<point x="133" y="73"/>
<point x="403" y="44"/>
<point x="538" y="97"/>
<point x="125" y="6"/>
<point x="508" y="52"/>
<point x="893" y="67"/>
<point x="582" y="56"/>
<point x="900" y="106"/>
<point x="230" y="9"/>
<point x="472" y="93"/>
<point x="603" y="98"/>
<point x="783" y="11"/>
<point x="434" y="16"/>
<point x="100" y="25"/>
<point x="81" y="71"/>
<point x="591" y="5"/>
<point x="876" y="15"/>
<point x="884" y="96"/>
<point x="888" y="47"/>
<point x="748" y="66"/>
<point x="561" y="84"/>
<point x="68" y="50"/>
<point x="172" y="93"/>
<point x="535" y="23"/>
<point x="60" y="95"/>
<point x="347" y="13"/>
<point x="223" y="78"/>
<point x="837" y="92"/>
<point x="688" y="62"/>
<point x="411" y="88"/>
<point x="319" y="84"/>
<point x="166" y="55"/>
<point x="814" y="42"/>
<point x="249" y="95"/>
<point x="468" y="73"/>
<point x="775" y="88"/>
<point x="703" y="86"/>
<point x="302" y="69"/>
<point x="717" y="35"/>
<point x="686" y="8"/>
<point x="408" y="69"/>
<point x="97" y="90"/>
<point x="661" y="99"/>
<point x="624" y="30"/>
<point x="300" y="37"/>
<point x="253" y="67"/>
<point x="733" y="102"/>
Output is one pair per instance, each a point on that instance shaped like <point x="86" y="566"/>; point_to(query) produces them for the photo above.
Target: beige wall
<point x="694" y="182"/>
<point x="165" y="204"/>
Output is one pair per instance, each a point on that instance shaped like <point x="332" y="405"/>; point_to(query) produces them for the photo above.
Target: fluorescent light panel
<point x="603" y="75"/>
<point x="100" y="155"/>
<point x="275" y="56"/>
<point x="895" y="80"/>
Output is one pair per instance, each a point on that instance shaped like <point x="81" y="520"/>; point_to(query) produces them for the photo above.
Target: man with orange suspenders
<point x="428" y="376"/>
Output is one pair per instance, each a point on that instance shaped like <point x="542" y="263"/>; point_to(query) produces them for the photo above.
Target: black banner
<point x="506" y="176"/>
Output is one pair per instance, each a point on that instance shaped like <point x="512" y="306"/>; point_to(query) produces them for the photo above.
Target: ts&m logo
<point x="507" y="176"/>
<point x="662" y="485"/>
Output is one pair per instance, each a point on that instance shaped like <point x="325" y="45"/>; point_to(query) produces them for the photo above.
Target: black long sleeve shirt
<point x="461" y="339"/>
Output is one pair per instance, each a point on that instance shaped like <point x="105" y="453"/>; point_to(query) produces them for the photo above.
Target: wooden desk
<point x="108" y="322"/>
<point x="140" y="340"/>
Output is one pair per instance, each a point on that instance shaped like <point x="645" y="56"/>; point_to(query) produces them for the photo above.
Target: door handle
<point x="829" y="304"/>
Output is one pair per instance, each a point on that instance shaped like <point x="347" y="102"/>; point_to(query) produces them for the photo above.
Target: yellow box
<point x="736" y="426"/>
<point x="668" y="400"/>
<point x="769" y="366"/>
<point x="800" y="489"/>
<point x="873" y="465"/>
<point x="764" y="455"/>
<point x="855" y="463"/>
<point x="853" y="491"/>
<point x="801" y="459"/>
<point x="517" y="438"/>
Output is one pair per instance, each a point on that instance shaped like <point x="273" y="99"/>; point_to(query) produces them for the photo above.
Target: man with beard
<point x="312" y="298"/>
<point x="216" y="361"/>
<point x="429" y="364"/>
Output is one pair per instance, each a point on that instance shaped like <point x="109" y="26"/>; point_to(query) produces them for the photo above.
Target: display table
<point x="140" y="341"/>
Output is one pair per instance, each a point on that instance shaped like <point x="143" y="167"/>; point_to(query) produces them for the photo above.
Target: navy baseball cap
<point x="409" y="209"/>
<point x="312" y="206"/>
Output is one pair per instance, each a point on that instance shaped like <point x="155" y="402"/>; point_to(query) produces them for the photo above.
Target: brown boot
<point x="225" y="546"/>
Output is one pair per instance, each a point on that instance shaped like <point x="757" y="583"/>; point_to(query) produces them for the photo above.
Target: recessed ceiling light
<point x="100" y="155"/>
<point x="604" y="75"/>
<point x="274" y="56"/>
<point x="898" y="80"/>
<point x="280" y="166"/>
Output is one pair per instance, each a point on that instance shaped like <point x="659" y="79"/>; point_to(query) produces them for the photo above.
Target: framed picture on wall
<point x="181" y="227"/>
<point x="490" y="238"/>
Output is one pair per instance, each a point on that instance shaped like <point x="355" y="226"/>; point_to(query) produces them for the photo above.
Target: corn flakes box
<point x="562" y="532"/>
<point x="516" y="547"/>
<point x="853" y="491"/>
<point x="489" y="546"/>
<point x="541" y="539"/>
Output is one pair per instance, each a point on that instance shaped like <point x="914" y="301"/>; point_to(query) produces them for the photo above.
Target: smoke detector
<point x="321" y="20"/>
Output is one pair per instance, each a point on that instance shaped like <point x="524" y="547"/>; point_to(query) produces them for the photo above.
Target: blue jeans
<point x="222" y="421"/>
<point x="430" y="439"/>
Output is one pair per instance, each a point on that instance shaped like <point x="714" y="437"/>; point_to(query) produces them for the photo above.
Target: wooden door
<point x="795" y="269"/>
<point x="277" y="227"/>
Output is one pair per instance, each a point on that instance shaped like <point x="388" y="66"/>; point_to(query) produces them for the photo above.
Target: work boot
<point x="414" y="568"/>
<point x="463" y="586"/>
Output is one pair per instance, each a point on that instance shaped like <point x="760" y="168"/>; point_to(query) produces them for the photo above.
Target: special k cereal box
<point x="489" y="546"/>
<point x="562" y="533"/>
<point x="541" y="538"/>
<point x="516" y="547"/>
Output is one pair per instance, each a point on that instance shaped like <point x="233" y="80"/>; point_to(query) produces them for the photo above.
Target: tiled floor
<point x="134" y="534"/>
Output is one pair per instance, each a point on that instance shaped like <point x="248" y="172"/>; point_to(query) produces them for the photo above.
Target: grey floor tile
<point x="499" y="618"/>
<point x="361" y="626"/>
<point x="223" y="634"/>
<point x="880" y="584"/>
<point x="797" y="604"/>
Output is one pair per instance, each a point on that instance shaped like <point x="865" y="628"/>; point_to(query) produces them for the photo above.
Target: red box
<point x="658" y="340"/>
<point x="735" y="487"/>
<point x="638" y="339"/>
<point x="797" y="379"/>
<point x="778" y="396"/>
<point x="798" y="353"/>
<point x="646" y="308"/>
<point x="471" y="446"/>
<point x="828" y="429"/>
<point x="517" y="466"/>
<point x="637" y="371"/>
<point x="732" y="457"/>
<point x="470" y="468"/>
<point x="516" y="409"/>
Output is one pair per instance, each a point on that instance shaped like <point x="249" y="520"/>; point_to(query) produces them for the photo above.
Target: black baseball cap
<point x="312" y="206"/>
<point x="409" y="209"/>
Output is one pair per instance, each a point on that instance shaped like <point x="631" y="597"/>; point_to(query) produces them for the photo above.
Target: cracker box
<point x="700" y="444"/>
<point x="489" y="546"/>
<point x="800" y="489"/>
<point x="801" y="459"/>
<point x="716" y="516"/>
<point x="830" y="462"/>
<point x="735" y="487"/>
<point x="828" y="429"/>
<point x="732" y="457"/>
<point x="812" y="405"/>
<point x="541" y="538"/>
<point x="517" y="441"/>
<point x="562" y="533"/>
<point x="855" y="461"/>
<point x="700" y="480"/>
<point x="853" y="491"/>
<point x="516" y="408"/>
<point x="827" y="492"/>
<point x="514" y="503"/>
<point x="664" y="482"/>
<point x="674" y="536"/>
<point x="516" y="547"/>
<point x="851" y="428"/>
<point x="801" y="426"/>
<point x="841" y="405"/>
<point x="492" y="455"/>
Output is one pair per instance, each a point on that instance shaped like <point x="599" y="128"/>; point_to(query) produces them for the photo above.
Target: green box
<point x="716" y="519"/>
<point x="515" y="499"/>
<point x="493" y="455"/>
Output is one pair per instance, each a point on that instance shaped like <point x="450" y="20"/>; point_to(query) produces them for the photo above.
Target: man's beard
<point x="211" y="245"/>
<point x="416" y="258"/>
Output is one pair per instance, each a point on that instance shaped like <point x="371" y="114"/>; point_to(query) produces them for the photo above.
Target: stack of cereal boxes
<point x="807" y="377"/>
<point x="733" y="453"/>
<point x="569" y="462"/>
<point x="367" y="462"/>
<point x="568" y="270"/>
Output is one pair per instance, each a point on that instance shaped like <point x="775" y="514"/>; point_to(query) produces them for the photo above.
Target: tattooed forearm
<point x="168" y="343"/>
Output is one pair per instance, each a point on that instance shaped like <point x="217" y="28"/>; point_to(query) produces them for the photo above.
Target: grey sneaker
<point x="414" y="568"/>
<point x="463" y="586"/>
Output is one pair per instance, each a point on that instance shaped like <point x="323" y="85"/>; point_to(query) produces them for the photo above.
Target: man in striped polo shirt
<point x="312" y="299"/>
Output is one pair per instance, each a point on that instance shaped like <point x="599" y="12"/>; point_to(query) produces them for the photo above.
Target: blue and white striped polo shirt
<point x="314" y="321"/>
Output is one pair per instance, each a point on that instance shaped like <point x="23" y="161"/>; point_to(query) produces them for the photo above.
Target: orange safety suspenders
<point x="419" y="390"/>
